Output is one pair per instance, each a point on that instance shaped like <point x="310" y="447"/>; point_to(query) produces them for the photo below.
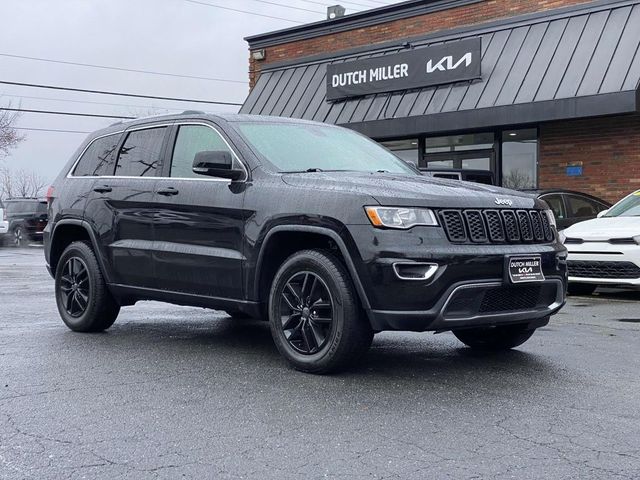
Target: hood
<point x="605" y="228"/>
<point x="414" y="190"/>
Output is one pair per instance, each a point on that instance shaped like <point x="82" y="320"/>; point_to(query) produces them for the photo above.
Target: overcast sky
<point x="169" y="36"/>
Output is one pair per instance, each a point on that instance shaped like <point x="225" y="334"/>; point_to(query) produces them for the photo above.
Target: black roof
<point x="569" y="63"/>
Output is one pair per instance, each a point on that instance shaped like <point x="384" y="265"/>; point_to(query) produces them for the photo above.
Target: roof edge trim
<point x="353" y="21"/>
<point x="574" y="108"/>
<point x="455" y="33"/>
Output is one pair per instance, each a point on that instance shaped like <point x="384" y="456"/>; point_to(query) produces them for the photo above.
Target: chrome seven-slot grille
<point x="496" y="226"/>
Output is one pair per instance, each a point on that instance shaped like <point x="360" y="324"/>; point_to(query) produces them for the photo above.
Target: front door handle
<point x="103" y="189"/>
<point x="167" y="191"/>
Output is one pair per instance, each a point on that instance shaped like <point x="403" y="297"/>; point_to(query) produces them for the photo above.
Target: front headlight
<point x="400" y="217"/>
<point x="551" y="217"/>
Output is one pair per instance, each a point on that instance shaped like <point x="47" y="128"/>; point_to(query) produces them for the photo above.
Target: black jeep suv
<point x="316" y="228"/>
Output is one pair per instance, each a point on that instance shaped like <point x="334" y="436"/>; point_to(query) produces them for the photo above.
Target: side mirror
<point x="216" y="164"/>
<point x="602" y="213"/>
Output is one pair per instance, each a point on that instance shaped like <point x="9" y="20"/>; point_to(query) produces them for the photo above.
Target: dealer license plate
<point x="525" y="269"/>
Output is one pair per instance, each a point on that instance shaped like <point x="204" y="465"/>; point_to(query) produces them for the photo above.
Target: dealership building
<point x="544" y="93"/>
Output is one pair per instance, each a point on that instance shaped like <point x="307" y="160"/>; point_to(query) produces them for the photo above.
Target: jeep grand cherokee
<point x="315" y="228"/>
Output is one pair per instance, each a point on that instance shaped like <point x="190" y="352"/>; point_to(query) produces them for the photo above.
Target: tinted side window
<point x="192" y="139"/>
<point x="556" y="204"/>
<point x="140" y="154"/>
<point x="582" y="206"/>
<point x="99" y="158"/>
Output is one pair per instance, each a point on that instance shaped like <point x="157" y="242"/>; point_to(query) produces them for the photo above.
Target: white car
<point x="4" y="225"/>
<point x="605" y="250"/>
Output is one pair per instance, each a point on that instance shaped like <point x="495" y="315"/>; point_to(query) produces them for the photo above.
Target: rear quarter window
<point x="99" y="158"/>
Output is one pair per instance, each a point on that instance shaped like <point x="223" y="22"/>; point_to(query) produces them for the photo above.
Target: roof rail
<point x="192" y="112"/>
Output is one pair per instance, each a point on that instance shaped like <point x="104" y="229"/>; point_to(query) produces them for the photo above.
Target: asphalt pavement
<point x="176" y="392"/>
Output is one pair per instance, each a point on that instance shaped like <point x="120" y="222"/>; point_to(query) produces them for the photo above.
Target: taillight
<point x="49" y="195"/>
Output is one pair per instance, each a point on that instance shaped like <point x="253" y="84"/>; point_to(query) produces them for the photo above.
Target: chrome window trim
<point x="145" y="127"/>
<point x="75" y="164"/>
<point x="235" y="154"/>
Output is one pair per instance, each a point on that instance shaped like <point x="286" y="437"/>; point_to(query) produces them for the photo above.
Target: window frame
<point x="171" y="144"/>
<point x="563" y="201"/>
<point x="72" y="171"/>
<point x="567" y="202"/>
<point x="163" y="148"/>
<point x="84" y="150"/>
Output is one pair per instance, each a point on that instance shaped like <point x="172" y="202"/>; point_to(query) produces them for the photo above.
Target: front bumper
<point x="603" y="263"/>
<point x="471" y="286"/>
<point x="466" y="305"/>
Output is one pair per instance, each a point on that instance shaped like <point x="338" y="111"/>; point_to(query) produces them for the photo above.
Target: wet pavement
<point x="177" y="392"/>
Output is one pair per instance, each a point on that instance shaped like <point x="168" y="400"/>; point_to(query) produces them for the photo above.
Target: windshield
<point x="627" y="207"/>
<point x="297" y="147"/>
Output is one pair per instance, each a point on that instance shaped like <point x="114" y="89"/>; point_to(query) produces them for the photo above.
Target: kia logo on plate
<point x="503" y="201"/>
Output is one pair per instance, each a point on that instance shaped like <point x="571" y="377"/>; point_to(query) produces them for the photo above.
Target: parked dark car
<point x="26" y="219"/>
<point x="315" y="228"/>
<point x="571" y="207"/>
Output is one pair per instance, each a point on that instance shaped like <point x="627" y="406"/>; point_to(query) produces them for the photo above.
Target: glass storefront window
<point x="520" y="158"/>
<point x="405" y="149"/>
<point x="458" y="143"/>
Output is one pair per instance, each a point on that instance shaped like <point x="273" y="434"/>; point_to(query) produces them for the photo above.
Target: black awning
<point x="574" y="63"/>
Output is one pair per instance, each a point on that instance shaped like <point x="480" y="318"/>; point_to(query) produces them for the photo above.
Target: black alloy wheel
<point x="83" y="299"/>
<point x="74" y="287"/>
<point x="315" y="316"/>
<point x="306" y="309"/>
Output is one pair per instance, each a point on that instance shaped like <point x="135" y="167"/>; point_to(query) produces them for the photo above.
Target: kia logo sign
<point x="503" y="201"/>
<point x="446" y="63"/>
<point x="421" y="67"/>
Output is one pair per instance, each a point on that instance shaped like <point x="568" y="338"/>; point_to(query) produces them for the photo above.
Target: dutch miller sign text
<point x="422" y="67"/>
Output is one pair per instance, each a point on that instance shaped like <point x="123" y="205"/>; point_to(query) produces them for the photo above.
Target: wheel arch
<point x="67" y="231"/>
<point x="295" y="238"/>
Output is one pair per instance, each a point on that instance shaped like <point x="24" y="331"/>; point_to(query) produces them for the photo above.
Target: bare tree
<point x="20" y="183"/>
<point x="9" y="136"/>
<point x="517" y="180"/>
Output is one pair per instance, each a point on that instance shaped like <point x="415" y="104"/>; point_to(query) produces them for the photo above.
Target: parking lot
<point x="174" y="392"/>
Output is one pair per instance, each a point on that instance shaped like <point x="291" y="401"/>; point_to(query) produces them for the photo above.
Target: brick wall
<point x="609" y="149"/>
<point x="405" y="28"/>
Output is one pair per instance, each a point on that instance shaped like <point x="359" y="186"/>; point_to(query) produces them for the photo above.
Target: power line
<point x="49" y="130"/>
<point x="72" y="114"/>
<point x="325" y="4"/>
<point x="51" y="99"/>
<point x="287" y="6"/>
<point x="121" y="69"/>
<point x="244" y="11"/>
<point x="121" y="94"/>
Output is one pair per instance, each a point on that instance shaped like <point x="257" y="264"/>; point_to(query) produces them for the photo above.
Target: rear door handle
<point x="167" y="191"/>
<point x="103" y="189"/>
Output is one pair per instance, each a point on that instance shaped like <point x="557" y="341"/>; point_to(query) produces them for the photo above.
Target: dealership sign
<point x="422" y="67"/>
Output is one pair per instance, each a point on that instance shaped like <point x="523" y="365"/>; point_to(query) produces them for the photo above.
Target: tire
<point x="494" y="338"/>
<point x="581" y="288"/>
<point x="19" y="237"/>
<point x="327" y="334"/>
<point x="93" y="308"/>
